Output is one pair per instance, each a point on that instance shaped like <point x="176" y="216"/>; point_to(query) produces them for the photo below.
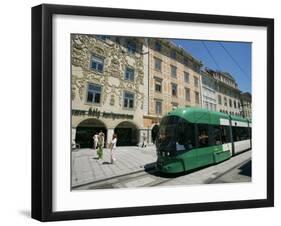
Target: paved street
<point x="134" y="168"/>
<point x="241" y="173"/>
<point x="86" y="167"/>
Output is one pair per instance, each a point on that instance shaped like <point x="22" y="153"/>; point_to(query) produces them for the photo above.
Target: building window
<point x="158" y="86"/>
<point x="173" y="54"/>
<point x="158" y="107"/>
<point x="196" y="82"/>
<point x="239" y="105"/>
<point x="173" y="71"/>
<point x="132" y="47"/>
<point x="157" y="64"/>
<point x="94" y="94"/>
<point x="225" y="101"/>
<point x="174" y="90"/>
<point x="196" y="97"/>
<point x="230" y="103"/>
<point x="186" y="77"/>
<point x="128" y="100"/>
<point x="158" y="46"/>
<point x="219" y="99"/>
<point x="129" y="74"/>
<point x="234" y="103"/>
<point x="187" y="94"/>
<point x="97" y="64"/>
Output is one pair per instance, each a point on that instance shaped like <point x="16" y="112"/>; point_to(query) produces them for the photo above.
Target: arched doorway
<point x="86" y="130"/>
<point x="127" y="134"/>
<point x="154" y="133"/>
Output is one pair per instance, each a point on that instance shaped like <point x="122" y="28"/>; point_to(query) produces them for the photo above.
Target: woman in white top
<point x="113" y="147"/>
<point x="96" y="139"/>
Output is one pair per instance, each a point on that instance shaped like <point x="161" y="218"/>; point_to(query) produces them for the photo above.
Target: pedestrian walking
<point x="143" y="140"/>
<point x="101" y="134"/>
<point x="112" y="148"/>
<point x="100" y="145"/>
<point x="95" y="139"/>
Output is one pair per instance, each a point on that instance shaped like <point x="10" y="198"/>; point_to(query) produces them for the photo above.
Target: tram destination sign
<point x="101" y="114"/>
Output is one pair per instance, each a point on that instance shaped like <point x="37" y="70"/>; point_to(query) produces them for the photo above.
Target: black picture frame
<point x="42" y="107"/>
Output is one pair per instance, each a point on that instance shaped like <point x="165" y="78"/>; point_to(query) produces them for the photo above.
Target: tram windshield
<point x="175" y="135"/>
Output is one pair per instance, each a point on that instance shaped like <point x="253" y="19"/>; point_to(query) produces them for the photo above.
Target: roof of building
<point x="246" y="96"/>
<point x="223" y="73"/>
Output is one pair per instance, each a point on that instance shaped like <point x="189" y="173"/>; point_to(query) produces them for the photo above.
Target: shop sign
<point x="101" y="114"/>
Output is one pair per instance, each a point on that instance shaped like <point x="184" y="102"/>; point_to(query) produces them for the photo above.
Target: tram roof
<point x="200" y="115"/>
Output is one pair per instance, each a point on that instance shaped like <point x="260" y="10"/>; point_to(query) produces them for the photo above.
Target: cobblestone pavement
<point x="86" y="167"/>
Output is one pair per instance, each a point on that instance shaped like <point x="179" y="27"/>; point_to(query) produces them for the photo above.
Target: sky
<point x="232" y="57"/>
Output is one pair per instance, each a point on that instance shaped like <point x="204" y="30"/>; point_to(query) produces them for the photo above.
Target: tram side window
<point x="203" y="135"/>
<point x="185" y="134"/>
<point x="216" y="135"/>
<point x="240" y="133"/>
<point x="225" y="134"/>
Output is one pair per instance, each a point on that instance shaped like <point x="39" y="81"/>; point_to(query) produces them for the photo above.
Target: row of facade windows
<point x="94" y="96"/>
<point x="158" y="67"/>
<point x="187" y="93"/>
<point x="97" y="64"/>
<point x="94" y="92"/>
<point x="174" y="88"/>
<point x="231" y="112"/>
<point x="235" y="104"/>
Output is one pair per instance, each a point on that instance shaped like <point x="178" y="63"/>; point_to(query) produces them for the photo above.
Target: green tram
<point x="190" y="138"/>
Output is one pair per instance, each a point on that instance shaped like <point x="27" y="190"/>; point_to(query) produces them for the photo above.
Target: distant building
<point x="246" y="102"/>
<point x="228" y="94"/>
<point x="209" y="93"/>
<point x="173" y="81"/>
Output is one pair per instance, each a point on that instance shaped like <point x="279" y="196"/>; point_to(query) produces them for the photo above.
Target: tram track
<point x="148" y="177"/>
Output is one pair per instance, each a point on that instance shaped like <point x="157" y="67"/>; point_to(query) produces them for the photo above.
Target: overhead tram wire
<point x="210" y="54"/>
<point x="233" y="59"/>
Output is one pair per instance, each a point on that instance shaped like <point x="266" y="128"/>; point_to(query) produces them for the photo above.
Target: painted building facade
<point x="107" y="88"/>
